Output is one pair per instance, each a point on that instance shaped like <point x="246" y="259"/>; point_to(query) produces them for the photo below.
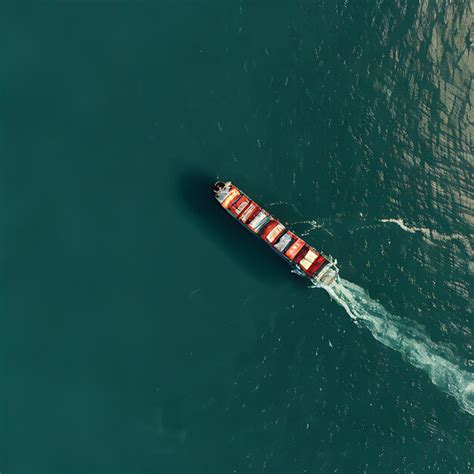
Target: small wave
<point x="409" y="340"/>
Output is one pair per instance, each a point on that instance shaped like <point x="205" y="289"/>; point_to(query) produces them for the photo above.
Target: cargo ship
<point x="304" y="259"/>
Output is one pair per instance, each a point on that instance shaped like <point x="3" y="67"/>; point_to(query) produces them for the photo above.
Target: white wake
<point x="413" y="344"/>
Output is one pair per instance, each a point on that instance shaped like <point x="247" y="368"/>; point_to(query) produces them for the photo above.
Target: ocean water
<point x="143" y="330"/>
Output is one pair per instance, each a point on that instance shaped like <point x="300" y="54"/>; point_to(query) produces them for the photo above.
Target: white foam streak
<point x="431" y="234"/>
<point x="409" y="340"/>
<point x="402" y="225"/>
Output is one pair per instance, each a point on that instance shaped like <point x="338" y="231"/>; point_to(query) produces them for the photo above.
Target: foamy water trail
<point x="432" y="234"/>
<point x="414" y="345"/>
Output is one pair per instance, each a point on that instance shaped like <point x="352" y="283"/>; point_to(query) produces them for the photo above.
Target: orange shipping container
<point x="294" y="249"/>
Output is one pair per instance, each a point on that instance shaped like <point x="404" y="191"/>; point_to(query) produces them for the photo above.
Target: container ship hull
<point x="304" y="259"/>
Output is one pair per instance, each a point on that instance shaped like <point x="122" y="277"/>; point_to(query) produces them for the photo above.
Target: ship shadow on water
<point x="243" y="248"/>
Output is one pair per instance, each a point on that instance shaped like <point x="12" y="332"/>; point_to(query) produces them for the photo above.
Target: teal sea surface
<point x="143" y="330"/>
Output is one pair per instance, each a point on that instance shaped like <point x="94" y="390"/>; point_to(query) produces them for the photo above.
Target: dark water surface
<point x="144" y="331"/>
